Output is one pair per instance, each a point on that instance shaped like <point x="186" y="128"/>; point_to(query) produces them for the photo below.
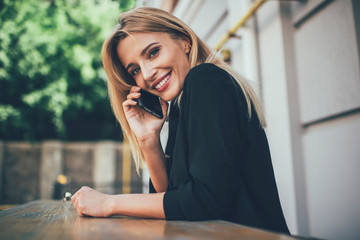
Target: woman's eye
<point x="135" y="71"/>
<point x="153" y="52"/>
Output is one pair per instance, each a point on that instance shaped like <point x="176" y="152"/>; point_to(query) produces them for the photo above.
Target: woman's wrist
<point x="149" y="142"/>
<point x="112" y="205"/>
<point x="154" y="158"/>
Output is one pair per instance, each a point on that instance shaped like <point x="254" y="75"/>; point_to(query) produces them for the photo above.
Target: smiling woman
<point x="217" y="163"/>
<point x="157" y="63"/>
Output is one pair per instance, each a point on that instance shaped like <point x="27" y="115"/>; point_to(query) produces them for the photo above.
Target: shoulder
<point x="206" y="67"/>
<point x="208" y="75"/>
<point x="206" y="71"/>
<point x="208" y="82"/>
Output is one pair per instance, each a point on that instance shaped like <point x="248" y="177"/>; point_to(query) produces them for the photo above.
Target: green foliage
<point x="52" y="84"/>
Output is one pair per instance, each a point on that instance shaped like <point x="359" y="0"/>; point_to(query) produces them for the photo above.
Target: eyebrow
<point x="142" y="54"/>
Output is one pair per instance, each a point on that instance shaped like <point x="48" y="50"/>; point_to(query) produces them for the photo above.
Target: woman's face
<point x="157" y="62"/>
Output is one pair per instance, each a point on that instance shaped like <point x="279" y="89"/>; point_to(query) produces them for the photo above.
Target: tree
<point x="52" y="84"/>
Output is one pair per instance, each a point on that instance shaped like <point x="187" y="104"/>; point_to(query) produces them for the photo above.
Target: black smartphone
<point x="150" y="103"/>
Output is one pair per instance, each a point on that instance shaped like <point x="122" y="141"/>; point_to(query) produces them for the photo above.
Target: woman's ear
<point x="187" y="48"/>
<point x="187" y="44"/>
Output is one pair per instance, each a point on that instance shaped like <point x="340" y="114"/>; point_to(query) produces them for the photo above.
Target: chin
<point x="169" y="95"/>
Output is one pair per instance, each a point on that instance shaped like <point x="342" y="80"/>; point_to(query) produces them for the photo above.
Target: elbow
<point x="161" y="189"/>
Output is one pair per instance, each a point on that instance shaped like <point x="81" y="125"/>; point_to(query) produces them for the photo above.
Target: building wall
<point x="303" y="59"/>
<point x="328" y="77"/>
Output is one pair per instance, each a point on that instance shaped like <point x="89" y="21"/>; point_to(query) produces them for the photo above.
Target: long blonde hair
<point x="148" y="19"/>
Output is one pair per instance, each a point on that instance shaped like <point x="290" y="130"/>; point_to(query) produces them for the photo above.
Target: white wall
<point x="275" y="61"/>
<point x="332" y="160"/>
<point x="327" y="62"/>
<point x="311" y="89"/>
<point x="328" y="74"/>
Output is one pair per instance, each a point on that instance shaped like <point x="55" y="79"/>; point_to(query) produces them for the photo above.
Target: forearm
<point x="138" y="205"/>
<point x="155" y="160"/>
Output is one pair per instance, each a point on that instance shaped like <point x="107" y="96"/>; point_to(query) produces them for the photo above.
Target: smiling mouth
<point x="160" y="84"/>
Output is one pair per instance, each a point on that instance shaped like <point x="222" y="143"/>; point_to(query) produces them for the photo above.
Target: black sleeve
<point x="214" y="119"/>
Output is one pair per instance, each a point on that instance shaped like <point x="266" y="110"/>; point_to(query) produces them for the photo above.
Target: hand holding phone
<point x="150" y="103"/>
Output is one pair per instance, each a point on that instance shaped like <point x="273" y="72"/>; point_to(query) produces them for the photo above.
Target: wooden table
<point x="59" y="220"/>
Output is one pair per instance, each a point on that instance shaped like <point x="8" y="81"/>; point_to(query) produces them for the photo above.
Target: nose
<point x="148" y="72"/>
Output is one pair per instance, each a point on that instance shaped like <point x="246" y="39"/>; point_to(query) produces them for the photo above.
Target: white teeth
<point x="162" y="82"/>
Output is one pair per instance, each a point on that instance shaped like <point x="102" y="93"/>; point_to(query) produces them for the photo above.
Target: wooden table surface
<point x="59" y="220"/>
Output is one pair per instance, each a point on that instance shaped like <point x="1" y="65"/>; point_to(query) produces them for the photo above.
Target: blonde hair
<point x="148" y="19"/>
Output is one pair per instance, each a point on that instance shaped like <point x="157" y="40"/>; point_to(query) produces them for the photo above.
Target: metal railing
<point x="240" y="23"/>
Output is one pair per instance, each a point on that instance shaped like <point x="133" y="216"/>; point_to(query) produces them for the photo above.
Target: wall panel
<point x="328" y="63"/>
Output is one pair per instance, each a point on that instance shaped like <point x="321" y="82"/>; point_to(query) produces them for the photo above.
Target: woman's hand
<point x="89" y="202"/>
<point x="142" y="123"/>
<point x="146" y="128"/>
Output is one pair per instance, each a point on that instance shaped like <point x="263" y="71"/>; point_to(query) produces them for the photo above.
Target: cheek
<point x="186" y="66"/>
<point x="184" y="63"/>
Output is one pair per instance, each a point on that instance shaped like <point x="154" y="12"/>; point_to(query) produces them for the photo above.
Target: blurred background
<point x="57" y="131"/>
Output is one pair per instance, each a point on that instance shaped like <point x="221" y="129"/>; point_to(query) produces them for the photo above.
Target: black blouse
<point x="219" y="164"/>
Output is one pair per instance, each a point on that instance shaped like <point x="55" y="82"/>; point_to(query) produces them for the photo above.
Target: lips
<point x="161" y="82"/>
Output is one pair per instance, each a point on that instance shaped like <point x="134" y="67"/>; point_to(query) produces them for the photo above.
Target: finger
<point x="81" y="209"/>
<point x="74" y="197"/>
<point x="85" y="188"/>
<point x="75" y="194"/>
<point x="73" y="200"/>
<point x="134" y="95"/>
<point x="129" y="103"/>
<point x="134" y="89"/>
<point x="76" y="203"/>
<point x="79" y="212"/>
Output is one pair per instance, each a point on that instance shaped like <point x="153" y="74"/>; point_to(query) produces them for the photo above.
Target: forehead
<point x="133" y="45"/>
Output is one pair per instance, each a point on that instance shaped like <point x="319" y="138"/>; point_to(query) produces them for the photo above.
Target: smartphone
<point x="150" y="103"/>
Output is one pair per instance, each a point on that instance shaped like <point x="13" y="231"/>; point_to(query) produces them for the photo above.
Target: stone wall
<point x="29" y="171"/>
<point x="20" y="173"/>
